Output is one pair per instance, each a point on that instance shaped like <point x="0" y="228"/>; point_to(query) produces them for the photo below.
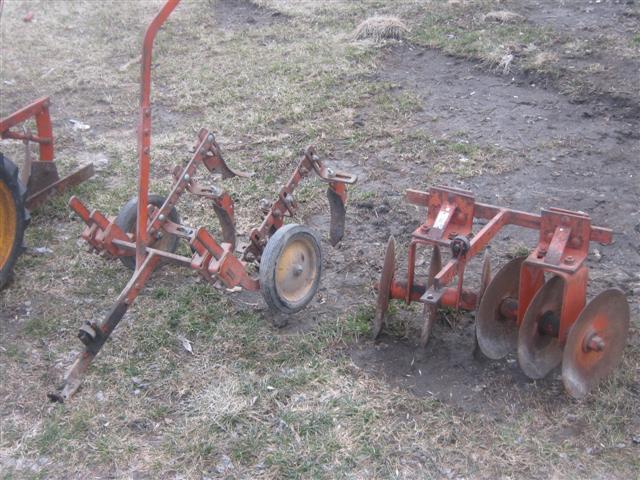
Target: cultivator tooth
<point x="384" y="286"/>
<point x="429" y="313"/>
<point x="336" y="193"/>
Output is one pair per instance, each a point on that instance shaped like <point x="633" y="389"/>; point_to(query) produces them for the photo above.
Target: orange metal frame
<point x="562" y="248"/>
<point x="40" y="110"/>
<point x="213" y="260"/>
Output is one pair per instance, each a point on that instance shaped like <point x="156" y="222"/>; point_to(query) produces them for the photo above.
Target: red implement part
<point x="562" y="249"/>
<point x="214" y="260"/>
<point x="40" y="176"/>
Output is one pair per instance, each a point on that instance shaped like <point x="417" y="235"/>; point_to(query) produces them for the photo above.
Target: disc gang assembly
<point x="534" y="305"/>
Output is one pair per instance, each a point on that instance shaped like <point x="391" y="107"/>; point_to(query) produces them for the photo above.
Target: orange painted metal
<point x="212" y="259"/>
<point x="144" y="129"/>
<point x="562" y="249"/>
<point x="40" y="111"/>
<point x="40" y="176"/>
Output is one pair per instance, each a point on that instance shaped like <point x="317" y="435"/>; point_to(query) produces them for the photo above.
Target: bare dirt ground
<point x="556" y="125"/>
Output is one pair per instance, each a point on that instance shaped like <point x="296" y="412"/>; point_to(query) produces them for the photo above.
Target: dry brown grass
<point x="503" y="16"/>
<point x="380" y="28"/>
<point x="251" y="402"/>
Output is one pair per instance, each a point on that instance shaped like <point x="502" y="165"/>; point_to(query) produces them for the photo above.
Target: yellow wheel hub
<point x="8" y="221"/>
<point x="296" y="270"/>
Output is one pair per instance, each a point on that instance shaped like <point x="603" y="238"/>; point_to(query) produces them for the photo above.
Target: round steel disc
<point x="384" y="287"/>
<point x="429" y="313"/>
<point x="497" y="335"/>
<point x="539" y="353"/>
<point x="607" y="317"/>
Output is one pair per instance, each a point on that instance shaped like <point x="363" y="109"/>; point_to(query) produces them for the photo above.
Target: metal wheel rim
<point x="296" y="270"/>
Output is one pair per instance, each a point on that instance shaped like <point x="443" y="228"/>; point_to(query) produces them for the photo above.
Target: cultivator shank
<point x="533" y="303"/>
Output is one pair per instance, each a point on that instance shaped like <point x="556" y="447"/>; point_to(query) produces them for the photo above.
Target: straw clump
<point x="503" y="16"/>
<point x="380" y="28"/>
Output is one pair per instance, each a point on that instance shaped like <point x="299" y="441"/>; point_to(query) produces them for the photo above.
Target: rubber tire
<point x="269" y="262"/>
<point x="127" y="217"/>
<point x="9" y="176"/>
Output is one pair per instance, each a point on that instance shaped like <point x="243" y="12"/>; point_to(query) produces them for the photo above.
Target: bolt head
<point x="162" y="217"/>
<point x="186" y="177"/>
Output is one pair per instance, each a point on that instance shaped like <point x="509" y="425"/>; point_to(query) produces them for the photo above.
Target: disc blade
<point x="607" y="317"/>
<point x="435" y="266"/>
<point x="540" y="352"/>
<point x="384" y="287"/>
<point x="498" y="335"/>
<point x="430" y="312"/>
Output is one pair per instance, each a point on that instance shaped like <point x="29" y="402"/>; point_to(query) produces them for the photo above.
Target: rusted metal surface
<point x="595" y="343"/>
<point x="286" y="205"/>
<point x="214" y="260"/>
<point x="516" y="310"/>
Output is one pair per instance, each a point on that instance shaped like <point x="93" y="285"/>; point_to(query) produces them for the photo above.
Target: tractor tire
<point x="13" y="218"/>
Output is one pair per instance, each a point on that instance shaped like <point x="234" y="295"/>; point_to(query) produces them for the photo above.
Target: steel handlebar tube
<point x="144" y="129"/>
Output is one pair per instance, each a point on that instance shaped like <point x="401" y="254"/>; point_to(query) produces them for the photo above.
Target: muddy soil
<point x="602" y="34"/>
<point x="580" y="157"/>
<point x="238" y="15"/>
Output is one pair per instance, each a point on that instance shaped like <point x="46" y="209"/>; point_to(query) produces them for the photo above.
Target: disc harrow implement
<point x="534" y="306"/>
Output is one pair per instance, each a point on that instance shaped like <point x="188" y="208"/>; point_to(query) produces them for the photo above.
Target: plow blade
<point x="45" y="182"/>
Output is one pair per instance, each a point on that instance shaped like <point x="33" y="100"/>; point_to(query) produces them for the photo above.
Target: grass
<point x="251" y="401"/>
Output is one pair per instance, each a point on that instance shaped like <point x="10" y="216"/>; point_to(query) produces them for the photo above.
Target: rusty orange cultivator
<point x="147" y="230"/>
<point x="535" y="305"/>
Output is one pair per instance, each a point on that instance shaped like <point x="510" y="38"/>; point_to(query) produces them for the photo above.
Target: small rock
<point x="42" y="250"/>
<point x="224" y="465"/>
<point x="597" y="255"/>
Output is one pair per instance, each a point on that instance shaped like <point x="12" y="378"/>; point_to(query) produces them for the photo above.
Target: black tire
<point x="127" y="218"/>
<point x="13" y="218"/>
<point x="292" y="294"/>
